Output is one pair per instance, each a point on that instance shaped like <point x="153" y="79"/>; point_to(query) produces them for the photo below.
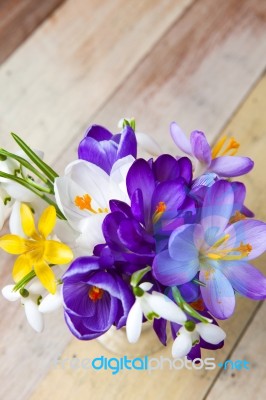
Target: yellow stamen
<point x="237" y="217"/>
<point x="231" y="148"/>
<point x="160" y="209"/>
<point x="84" y="203"/>
<point x="224" y="254"/>
<point x="95" y="293"/>
<point x="221" y="241"/>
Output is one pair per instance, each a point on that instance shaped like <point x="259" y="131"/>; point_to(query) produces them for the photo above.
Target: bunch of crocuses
<point x="119" y="240"/>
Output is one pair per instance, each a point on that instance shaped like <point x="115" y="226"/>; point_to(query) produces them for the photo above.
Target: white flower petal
<point x="134" y="322"/>
<point x="8" y="293"/>
<point x="15" y="225"/>
<point x="146" y="286"/>
<point x="34" y="317"/>
<point x="18" y="192"/>
<point x="118" y="174"/>
<point x="91" y="232"/>
<point x="36" y="288"/>
<point x="166" y="308"/>
<point x="51" y="302"/>
<point x="182" y="344"/>
<point x="148" y="144"/>
<point x="211" y="333"/>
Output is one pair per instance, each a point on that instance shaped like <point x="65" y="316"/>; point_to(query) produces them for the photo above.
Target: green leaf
<point x="45" y="168"/>
<point x="138" y="275"/>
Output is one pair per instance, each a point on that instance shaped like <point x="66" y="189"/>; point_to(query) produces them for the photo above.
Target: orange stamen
<point x="95" y="293"/>
<point x="237" y="217"/>
<point x="160" y="209"/>
<point x="84" y="203"/>
<point x="231" y="148"/>
<point x="198" y="305"/>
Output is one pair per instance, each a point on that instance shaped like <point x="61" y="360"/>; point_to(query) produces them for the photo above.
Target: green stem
<point x="186" y="307"/>
<point x="24" y="281"/>
<point x="45" y="168"/>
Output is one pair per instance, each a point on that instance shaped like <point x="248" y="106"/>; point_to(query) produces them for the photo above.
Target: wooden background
<point x="67" y="64"/>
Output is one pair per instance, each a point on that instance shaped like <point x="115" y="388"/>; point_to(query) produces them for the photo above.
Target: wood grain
<point x="77" y="59"/>
<point x="18" y="19"/>
<point x="250" y="383"/>
<point x="248" y="125"/>
<point x="74" y="62"/>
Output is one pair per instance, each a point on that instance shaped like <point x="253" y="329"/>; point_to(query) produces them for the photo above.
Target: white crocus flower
<point x="151" y="305"/>
<point x="83" y="196"/>
<point x="190" y="333"/>
<point x="30" y="302"/>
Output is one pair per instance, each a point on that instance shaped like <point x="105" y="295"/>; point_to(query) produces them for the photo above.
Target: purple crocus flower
<point x="95" y="297"/>
<point x="220" y="250"/>
<point x="103" y="149"/>
<point x="222" y="162"/>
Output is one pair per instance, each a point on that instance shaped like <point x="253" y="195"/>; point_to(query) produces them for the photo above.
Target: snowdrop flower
<point x="154" y="305"/>
<point x="189" y="335"/>
<point x="30" y="299"/>
<point x="51" y="302"/>
<point x="83" y="196"/>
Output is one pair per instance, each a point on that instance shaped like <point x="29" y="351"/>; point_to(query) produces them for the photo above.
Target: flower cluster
<point x="166" y="239"/>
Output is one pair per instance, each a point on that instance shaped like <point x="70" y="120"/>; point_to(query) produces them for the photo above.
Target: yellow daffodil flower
<point x="37" y="252"/>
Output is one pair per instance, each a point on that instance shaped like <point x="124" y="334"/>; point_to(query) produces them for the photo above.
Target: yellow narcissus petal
<point x="13" y="244"/>
<point x="46" y="276"/>
<point x="47" y="221"/>
<point x="57" y="252"/>
<point x="22" y="267"/>
<point x="27" y="220"/>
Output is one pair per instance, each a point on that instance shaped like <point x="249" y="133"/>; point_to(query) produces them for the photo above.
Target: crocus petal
<point x="165" y="307"/>
<point x="127" y="144"/>
<point x="134" y="322"/>
<point x="171" y="272"/>
<point x="230" y="166"/>
<point x="9" y="294"/>
<point x="210" y="333"/>
<point x="252" y="232"/>
<point x="182" y="345"/>
<point x="218" y="294"/>
<point x="57" y="252"/>
<point x="200" y="147"/>
<point x="217" y="209"/>
<point x="13" y="244"/>
<point x="22" y="267"/>
<point x="47" y="221"/>
<point x="27" y="220"/>
<point x="245" y="279"/>
<point x="51" y="303"/>
<point x="34" y="317"/>
<point x="185" y="241"/>
<point x="180" y="138"/>
<point x="46" y="276"/>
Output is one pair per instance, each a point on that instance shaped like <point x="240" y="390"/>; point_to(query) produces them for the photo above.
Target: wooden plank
<point x="248" y="125"/>
<point x="81" y="46"/>
<point x="209" y="65"/>
<point x="245" y="384"/>
<point x="18" y="19"/>
<point x="74" y="62"/>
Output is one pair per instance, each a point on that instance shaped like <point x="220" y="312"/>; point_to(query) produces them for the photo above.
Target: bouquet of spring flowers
<point x="122" y="241"/>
